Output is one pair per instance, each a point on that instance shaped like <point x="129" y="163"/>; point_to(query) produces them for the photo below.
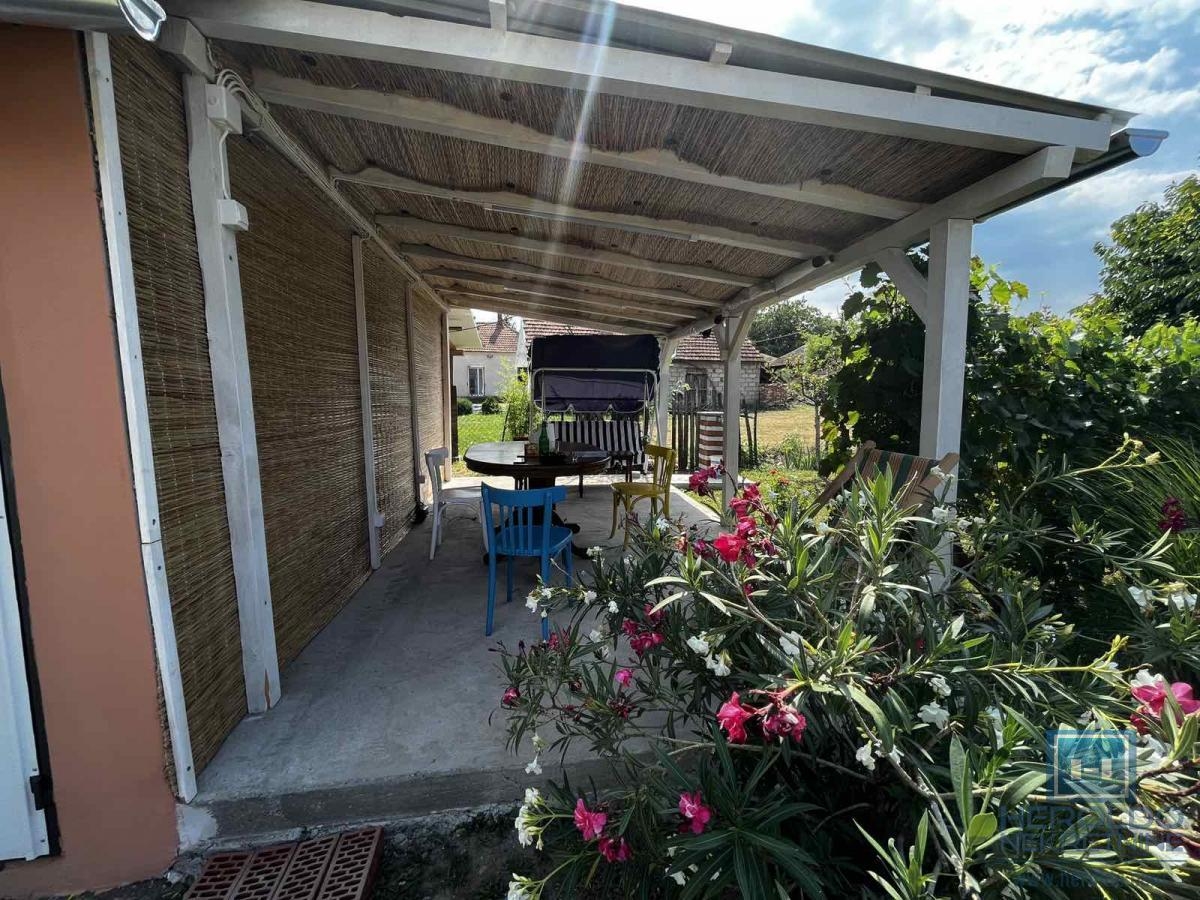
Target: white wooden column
<point x="447" y="377"/>
<point x="730" y="334"/>
<point x="374" y="520"/>
<point x="662" y="398"/>
<point x="213" y="114"/>
<point x="410" y="328"/>
<point x="949" y="286"/>
<point x="137" y="412"/>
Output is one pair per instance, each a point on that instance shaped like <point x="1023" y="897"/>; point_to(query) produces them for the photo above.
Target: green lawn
<point x="476" y="428"/>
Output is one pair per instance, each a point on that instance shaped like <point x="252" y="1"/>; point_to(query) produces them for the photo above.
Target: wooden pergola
<point x="595" y="164"/>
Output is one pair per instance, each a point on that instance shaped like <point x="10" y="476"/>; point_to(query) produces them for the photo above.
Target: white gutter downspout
<point x="144" y="17"/>
<point x="137" y="416"/>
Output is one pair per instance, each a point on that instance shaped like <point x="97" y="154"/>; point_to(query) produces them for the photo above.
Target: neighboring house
<point x="482" y="371"/>
<point x="697" y="361"/>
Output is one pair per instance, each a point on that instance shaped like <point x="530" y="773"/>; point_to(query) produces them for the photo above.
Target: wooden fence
<point x="685" y="428"/>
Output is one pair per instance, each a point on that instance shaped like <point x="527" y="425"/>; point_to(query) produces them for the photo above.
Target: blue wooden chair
<point x="525" y="527"/>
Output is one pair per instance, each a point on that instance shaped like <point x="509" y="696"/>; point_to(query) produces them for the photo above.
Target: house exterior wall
<point x="715" y="372"/>
<point x="497" y="369"/>
<point x="73" y="484"/>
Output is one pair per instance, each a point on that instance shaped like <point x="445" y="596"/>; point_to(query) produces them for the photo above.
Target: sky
<point x="1138" y="55"/>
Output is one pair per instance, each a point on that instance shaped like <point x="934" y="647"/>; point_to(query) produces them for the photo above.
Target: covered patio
<point x="300" y="221"/>
<point x="391" y="710"/>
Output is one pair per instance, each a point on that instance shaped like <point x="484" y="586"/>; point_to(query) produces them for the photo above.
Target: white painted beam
<point x="662" y="397"/>
<point x="945" y="338"/>
<point x="631" y="312"/>
<point x="594" y="68"/>
<point x="731" y="334"/>
<point x="408" y="111"/>
<point x="137" y="413"/>
<point x="542" y="289"/>
<point x="511" y="203"/>
<point x="504" y="267"/>
<point x="1028" y="176"/>
<point x="364" y="393"/>
<point x="209" y="173"/>
<point x="498" y="11"/>
<point x="425" y="229"/>
<point x="550" y="313"/>
<point x="911" y="284"/>
<point x="721" y="52"/>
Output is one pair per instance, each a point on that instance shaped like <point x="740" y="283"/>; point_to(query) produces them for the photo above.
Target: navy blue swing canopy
<point x="593" y="373"/>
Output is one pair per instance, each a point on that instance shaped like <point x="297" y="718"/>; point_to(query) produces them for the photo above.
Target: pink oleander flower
<point x="510" y="697"/>
<point x="629" y="627"/>
<point x="732" y="717"/>
<point x="645" y="640"/>
<point x="614" y="849"/>
<point x="746" y="528"/>
<point x="1174" y="519"/>
<point x="730" y="546"/>
<point x="740" y="507"/>
<point x="589" y="822"/>
<point x="1151" y="692"/>
<point x="785" y="721"/>
<point x="654" y="618"/>
<point x="751" y="493"/>
<point x="624" y="677"/>
<point x="692" y="808"/>
<point x="621" y="707"/>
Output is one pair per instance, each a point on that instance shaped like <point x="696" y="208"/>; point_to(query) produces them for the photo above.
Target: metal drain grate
<point x="336" y="867"/>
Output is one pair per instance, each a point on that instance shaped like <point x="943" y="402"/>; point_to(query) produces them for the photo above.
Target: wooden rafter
<point x="552" y="313"/>
<point x="435" y="117"/>
<point x="525" y="205"/>
<point x="504" y="267"/>
<point x="424" y="228"/>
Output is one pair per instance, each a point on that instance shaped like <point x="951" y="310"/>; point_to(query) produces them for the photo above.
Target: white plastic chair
<point x="444" y="497"/>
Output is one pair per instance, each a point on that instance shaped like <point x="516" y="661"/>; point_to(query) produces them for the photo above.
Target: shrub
<point x="829" y="711"/>
<point x="464" y="406"/>
<point x="489" y="406"/>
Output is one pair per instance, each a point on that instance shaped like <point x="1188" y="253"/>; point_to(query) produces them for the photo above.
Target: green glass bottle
<point x="544" y="440"/>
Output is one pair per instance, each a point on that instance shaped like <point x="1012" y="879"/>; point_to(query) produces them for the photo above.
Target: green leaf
<point x="983" y="826"/>
<point x="1021" y="787"/>
<point x="960" y="777"/>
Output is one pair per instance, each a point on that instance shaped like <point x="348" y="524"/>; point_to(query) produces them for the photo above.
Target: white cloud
<point x="1092" y="205"/>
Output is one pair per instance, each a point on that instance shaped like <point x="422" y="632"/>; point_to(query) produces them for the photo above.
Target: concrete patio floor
<point x="386" y="713"/>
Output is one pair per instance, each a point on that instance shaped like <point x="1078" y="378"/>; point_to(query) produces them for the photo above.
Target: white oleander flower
<point x="532" y="602"/>
<point x="539" y="742"/>
<point x="594" y="552"/>
<point x="547" y="593"/>
<point x="662" y="523"/>
<point x="978" y="520"/>
<point x="680" y="878"/>
<point x="790" y="643"/>
<point x="935" y="714"/>
<point x="866" y="756"/>
<point x="698" y="644"/>
<point x="823" y="528"/>
<point x="1170" y="856"/>
<point x="534" y="767"/>
<point x="589" y="596"/>
<point x="940" y="514"/>
<point x="939" y="474"/>
<point x="940" y="686"/>
<point x="1143" y="597"/>
<point x="719" y="664"/>
<point x="613" y="608"/>
<point x="1181" y="599"/>
<point x="520" y="888"/>
<point x="1144" y="679"/>
<point x="595" y="636"/>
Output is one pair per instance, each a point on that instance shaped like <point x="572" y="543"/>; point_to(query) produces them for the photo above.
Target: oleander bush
<point x="831" y="709"/>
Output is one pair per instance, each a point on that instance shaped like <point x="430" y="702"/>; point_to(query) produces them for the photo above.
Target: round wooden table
<point x="508" y="458"/>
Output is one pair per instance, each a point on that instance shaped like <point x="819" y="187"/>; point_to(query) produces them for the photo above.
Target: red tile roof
<point x="496" y="337"/>
<point x="693" y="348"/>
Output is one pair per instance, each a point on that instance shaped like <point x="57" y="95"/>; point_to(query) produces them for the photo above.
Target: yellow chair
<point x="626" y="494"/>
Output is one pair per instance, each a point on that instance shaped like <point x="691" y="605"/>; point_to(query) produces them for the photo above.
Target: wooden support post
<point x="447" y="377"/>
<point x="662" y="398"/>
<point x="945" y="337"/>
<point x="374" y="520"/>
<point x="212" y="114"/>
<point x="732" y="332"/>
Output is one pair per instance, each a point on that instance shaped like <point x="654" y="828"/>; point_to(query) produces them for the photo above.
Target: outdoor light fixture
<point x="591" y="223"/>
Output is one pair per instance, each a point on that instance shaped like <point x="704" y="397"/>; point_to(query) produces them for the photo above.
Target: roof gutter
<point x="1126" y="145"/>
<point x="143" y="17"/>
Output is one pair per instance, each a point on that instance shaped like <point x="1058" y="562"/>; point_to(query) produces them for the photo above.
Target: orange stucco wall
<point x="74" y="489"/>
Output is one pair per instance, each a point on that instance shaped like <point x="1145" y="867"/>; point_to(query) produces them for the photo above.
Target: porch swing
<point x="597" y="390"/>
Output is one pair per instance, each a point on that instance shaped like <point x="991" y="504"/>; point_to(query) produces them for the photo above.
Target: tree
<point x="1151" y="268"/>
<point x="781" y="328"/>
<point x="809" y="379"/>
